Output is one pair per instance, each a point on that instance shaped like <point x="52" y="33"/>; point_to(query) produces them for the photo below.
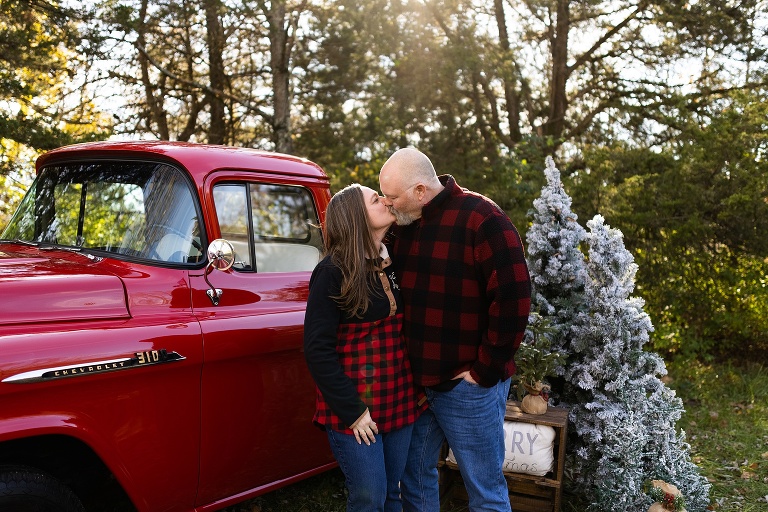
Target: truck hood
<point x="39" y="285"/>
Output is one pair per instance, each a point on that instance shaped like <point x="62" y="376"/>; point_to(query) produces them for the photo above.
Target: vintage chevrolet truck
<point x="152" y="299"/>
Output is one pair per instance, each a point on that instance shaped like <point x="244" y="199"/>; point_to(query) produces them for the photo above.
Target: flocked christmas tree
<point x="556" y="265"/>
<point x="622" y="415"/>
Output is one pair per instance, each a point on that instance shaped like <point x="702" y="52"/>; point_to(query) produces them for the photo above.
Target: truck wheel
<point x="25" y="489"/>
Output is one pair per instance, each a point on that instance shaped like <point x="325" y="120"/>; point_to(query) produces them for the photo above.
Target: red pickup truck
<point x="152" y="299"/>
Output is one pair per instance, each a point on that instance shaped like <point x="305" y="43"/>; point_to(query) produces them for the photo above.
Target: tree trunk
<point x="558" y="101"/>
<point x="510" y="94"/>
<point x="216" y="74"/>
<point x="280" y="48"/>
<point x="156" y="116"/>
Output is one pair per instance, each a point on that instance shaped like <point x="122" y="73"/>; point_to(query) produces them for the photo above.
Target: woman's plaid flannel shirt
<point x="358" y="362"/>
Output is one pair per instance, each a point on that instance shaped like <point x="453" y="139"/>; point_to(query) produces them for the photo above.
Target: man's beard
<point x="402" y="218"/>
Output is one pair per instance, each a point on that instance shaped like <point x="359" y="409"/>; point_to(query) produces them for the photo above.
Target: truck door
<point x="257" y="395"/>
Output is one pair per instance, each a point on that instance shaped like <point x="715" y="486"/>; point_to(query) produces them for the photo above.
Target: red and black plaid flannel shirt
<point x="358" y="362"/>
<point x="465" y="285"/>
<point x="373" y="355"/>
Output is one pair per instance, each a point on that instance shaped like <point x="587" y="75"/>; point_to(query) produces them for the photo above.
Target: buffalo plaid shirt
<point x="466" y="288"/>
<point x="358" y="362"/>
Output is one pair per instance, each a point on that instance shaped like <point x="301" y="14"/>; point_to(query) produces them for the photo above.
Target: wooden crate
<point x="527" y="493"/>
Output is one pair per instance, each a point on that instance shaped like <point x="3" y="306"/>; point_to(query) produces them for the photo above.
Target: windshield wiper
<point x="44" y="246"/>
<point x="48" y="246"/>
<point x="60" y="248"/>
<point x="78" y="250"/>
<point x="22" y="242"/>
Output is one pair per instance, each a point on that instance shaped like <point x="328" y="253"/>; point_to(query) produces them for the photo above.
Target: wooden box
<point x="527" y="493"/>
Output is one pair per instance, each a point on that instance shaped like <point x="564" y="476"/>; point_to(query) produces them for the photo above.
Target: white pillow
<point x="528" y="448"/>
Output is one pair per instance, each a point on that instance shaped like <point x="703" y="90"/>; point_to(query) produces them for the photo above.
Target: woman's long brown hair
<point x="349" y="243"/>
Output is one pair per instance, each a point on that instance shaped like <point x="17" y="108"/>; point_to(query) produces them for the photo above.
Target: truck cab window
<point x="273" y="228"/>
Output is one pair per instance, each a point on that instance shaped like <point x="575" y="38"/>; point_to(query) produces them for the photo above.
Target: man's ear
<point x="420" y="190"/>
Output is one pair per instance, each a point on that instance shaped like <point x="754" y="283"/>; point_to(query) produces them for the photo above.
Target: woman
<point x="365" y="399"/>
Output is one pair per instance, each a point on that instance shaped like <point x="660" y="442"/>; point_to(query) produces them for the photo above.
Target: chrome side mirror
<point x="221" y="256"/>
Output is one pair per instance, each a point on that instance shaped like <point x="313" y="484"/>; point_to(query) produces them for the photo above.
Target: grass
<point x="726" y="421"/>
<point x="321" y="493"/>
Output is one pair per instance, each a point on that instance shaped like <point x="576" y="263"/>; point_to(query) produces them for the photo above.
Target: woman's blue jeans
<point x="372" y="473"/>
<point x="471" y="419"/>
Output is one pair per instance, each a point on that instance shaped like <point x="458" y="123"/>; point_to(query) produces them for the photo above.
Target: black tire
<point x="24" y="489"/>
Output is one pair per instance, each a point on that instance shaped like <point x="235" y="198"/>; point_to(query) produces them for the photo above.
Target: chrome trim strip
<point x="148" y="358"/>
<point x="37" y="375"/>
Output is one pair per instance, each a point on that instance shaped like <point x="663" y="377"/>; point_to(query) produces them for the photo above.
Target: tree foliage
<point x="44" y="98"/>
<point x="206" y="70"/>
<point x="693" y="211"/>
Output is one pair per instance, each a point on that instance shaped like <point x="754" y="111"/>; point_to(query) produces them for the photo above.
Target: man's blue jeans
<point x="471" y="418"/>
<point x="372" y="473"/>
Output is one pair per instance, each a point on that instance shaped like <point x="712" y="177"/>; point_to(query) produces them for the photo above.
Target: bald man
<point x="467" y="294"/>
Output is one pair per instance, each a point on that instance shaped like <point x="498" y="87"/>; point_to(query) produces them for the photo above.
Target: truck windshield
<point x="136" y="209"/>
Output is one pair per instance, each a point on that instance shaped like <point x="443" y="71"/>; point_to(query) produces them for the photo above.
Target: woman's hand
<point x="365" y="429"/>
